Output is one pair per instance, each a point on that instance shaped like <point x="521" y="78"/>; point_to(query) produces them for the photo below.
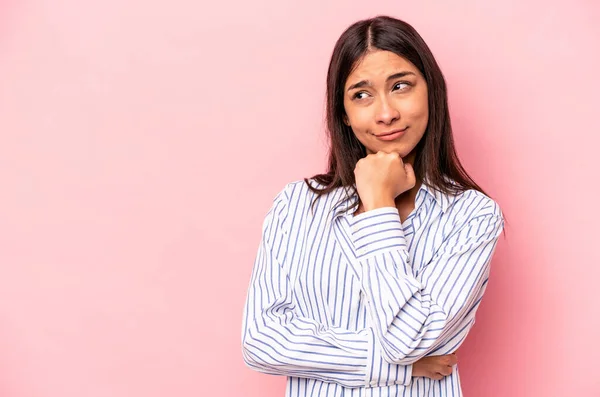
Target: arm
<point x="276" y="340"/>
<point x="412" y="316"/>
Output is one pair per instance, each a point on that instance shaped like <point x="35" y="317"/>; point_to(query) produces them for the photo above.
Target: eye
<point x="401" y="86"/>
<point x="360" y="95"/>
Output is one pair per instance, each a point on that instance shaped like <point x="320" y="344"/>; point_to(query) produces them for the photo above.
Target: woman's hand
<point x="380" y="178"/>
<point x="435" y="367"/>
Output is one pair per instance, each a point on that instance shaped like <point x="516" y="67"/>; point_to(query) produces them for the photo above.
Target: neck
<point x="408" y="198"/>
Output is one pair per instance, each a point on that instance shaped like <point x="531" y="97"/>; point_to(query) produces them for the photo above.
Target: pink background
<point x="143" y="141"/>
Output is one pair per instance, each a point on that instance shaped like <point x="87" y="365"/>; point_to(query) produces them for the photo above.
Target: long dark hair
<point x="435" y="155"/>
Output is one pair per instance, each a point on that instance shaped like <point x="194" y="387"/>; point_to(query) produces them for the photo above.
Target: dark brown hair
<point x="435" y="155"/>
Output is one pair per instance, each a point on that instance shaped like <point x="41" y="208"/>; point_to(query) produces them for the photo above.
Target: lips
<point x="390" y="135"/>
<point x="383" y="134"/>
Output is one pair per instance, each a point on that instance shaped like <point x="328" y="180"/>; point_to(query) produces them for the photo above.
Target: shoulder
<point x="292" y="193"/>
<point x="300" y="200"/>
<point x="474" y="209"/>
<point x="476" y="203"/>
<point x="289" y="198"/>
<point x="299" y="193"/>
<point x="458" y="202"/>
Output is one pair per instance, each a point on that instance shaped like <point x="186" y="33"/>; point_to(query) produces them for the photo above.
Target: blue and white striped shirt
<point x="343" y="305"/>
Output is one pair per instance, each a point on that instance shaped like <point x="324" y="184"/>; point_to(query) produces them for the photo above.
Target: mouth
<point x="391" y="135"/>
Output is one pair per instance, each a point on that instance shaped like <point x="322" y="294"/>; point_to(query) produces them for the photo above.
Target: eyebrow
<point x="367" y="83"/>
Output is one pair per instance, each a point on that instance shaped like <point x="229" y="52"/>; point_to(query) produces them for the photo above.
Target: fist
<point x="381" y="177"/>
<point x="435" y="367"/>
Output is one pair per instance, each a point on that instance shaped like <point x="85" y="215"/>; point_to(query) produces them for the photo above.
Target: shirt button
<point x="373" y="383"/>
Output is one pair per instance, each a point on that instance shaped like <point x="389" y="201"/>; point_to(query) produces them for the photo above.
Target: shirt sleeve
<point x="277" y="340"/>
<point x="412" y="315"/>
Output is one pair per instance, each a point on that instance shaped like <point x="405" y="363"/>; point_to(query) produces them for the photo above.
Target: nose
<point x="386" y="112"/>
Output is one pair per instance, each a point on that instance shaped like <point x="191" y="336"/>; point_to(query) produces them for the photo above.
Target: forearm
<point x="412" y="316"/>
<point x="277" y="339"/>
<point x="302" y="348"/>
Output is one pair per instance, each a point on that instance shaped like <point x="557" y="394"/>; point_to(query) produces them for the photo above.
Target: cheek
<point x="421" y="116"/>
<point x="360" y="119"/>
<point x="419" y="121"/>
<point x="416" y="110"/>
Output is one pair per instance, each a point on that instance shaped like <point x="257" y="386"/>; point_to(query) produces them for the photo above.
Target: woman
<point x="368" y="277"/>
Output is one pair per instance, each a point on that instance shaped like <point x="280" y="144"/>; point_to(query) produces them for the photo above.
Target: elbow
<point x="248" y="360"/>
<point x="256" y="358"/>
<point x="400" y="360"/>
<point x="392" y="353"/>
<point x="251" y="351"/>
<point x="396" y="358"/>
<point x="251" y="359"/>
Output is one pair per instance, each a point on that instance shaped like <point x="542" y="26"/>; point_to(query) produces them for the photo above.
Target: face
<point x="385" y="99"/>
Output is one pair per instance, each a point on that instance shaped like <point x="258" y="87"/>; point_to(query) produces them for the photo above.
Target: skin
<point x="376" y="102"/>
<point x="384" y="93"/>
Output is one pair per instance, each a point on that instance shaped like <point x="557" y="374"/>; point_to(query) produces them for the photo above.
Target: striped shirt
<point x="343" y="304"/>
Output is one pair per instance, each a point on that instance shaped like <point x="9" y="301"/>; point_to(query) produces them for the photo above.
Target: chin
<point x="393" y="147"/>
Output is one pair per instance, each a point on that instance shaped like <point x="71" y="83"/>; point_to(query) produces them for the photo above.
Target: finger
<point x="394" y="156"/>
<point x="449" y="359"/>
<point x="410" y="173"/>
<point x="452" y="359"/>
<point x="437" y="376"/>
<point x="445" y="370"/>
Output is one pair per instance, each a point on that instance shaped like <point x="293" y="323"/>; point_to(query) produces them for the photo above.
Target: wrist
<point x="381" y="203"/>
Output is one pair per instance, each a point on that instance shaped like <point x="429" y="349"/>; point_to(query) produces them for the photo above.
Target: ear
<point x="346" y="120"/>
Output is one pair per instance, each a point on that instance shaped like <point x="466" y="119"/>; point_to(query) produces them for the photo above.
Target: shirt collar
<point x="345" y="198"/>
<point x="441" y="199"/>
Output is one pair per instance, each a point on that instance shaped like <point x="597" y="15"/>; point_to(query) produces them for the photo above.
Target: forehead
<point x="379" y="65"/>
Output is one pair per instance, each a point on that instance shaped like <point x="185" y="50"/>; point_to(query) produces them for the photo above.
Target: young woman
<point x="368" y="277"/>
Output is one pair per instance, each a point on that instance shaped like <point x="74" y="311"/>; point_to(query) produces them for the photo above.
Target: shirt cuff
<point x="380" y="373"/>
<point x="377" y="231"/>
